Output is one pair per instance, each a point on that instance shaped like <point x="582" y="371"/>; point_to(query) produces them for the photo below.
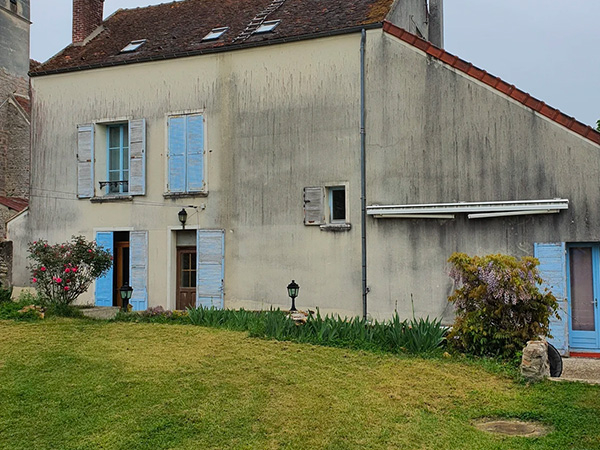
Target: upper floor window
<point x="186" y="154"/>
<point x="118" y="158"/>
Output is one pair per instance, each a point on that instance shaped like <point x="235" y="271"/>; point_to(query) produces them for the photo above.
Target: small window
<point x="267" y="27"/>
<point x="215" y="34"/>
<point x="133" y="46"/>
<point x="337" y="204"/>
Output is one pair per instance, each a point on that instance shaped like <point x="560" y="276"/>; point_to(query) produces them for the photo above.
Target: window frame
<point x="330" y="191"/>
<point x="122" y="145"/>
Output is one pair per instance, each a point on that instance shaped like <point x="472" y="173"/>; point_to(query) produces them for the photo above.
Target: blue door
<point x="584" y="292"/>
<point x="210" y="268"/>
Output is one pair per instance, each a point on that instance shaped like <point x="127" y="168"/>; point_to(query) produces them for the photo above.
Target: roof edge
<point x="497" y="83"/>
<point x="211" y="50"/>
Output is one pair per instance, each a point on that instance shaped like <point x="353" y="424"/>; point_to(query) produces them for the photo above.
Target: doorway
<point x="121" y="265"/>
<point x="186" y="278"/>
<point x="584" y="290"/>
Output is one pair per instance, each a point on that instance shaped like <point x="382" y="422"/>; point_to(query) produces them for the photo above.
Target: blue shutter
<point x="195" y="153"/>
<point x="85" y="161"/>
<point x="210" y="268"/>
<point x="553" y="270"/>
<point x="176" y="154"/>
<point x="137" y="157"/>
<point x="138" y="251"/>
<point x="104" y="284"/>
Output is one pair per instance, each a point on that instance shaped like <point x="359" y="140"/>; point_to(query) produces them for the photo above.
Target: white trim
<point x="478" y="210"/>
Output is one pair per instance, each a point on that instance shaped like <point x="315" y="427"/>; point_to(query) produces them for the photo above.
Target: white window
<point x="326" y="206"/>
<point x="133" y="46"/>
<point x="267" y="26"/>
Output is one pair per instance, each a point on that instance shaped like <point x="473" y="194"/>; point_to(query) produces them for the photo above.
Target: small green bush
<point x="499" y="306"/>
<point x="5" y="294"/>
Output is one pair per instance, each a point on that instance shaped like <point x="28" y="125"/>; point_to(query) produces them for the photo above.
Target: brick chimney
<point x="87" y="16"/>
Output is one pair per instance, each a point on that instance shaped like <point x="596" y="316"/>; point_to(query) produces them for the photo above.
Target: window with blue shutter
<point x="104" y="285"/>
<point x="186" y="154"/>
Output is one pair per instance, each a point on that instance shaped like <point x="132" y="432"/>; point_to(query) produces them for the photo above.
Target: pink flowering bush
<point x="62" y="272"/>
<point x="499" y="306"/>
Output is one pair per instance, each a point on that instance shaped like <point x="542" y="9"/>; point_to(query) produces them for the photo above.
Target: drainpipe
<point x="363" y="188"/>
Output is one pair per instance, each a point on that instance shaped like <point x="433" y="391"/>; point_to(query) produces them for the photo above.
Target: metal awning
<point x="475" y="210"/>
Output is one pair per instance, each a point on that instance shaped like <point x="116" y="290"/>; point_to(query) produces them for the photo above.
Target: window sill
<point x="185" y="194"/>
<point x="335" y="227"/>
<point x="112" y="198"/>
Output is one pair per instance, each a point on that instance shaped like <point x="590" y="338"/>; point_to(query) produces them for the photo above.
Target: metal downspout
<point x="363" y="188"/>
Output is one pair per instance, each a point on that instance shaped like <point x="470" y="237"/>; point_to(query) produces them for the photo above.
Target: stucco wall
<point x="278" y="118"/>
<point x="436" y="135"/>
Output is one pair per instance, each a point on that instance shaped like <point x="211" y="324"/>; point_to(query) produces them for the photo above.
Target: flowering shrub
<point x="499" y="306"/>
<point x="62" y="272"/>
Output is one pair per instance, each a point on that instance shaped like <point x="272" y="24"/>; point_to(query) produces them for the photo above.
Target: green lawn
<point x="74" y="384"/>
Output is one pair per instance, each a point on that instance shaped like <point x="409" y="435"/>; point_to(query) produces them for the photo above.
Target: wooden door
<point x="186" y="278"/>
<point x="121" y="266"/>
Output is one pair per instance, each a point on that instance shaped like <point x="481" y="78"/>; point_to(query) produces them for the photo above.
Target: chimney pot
<point x="87" y="16"/>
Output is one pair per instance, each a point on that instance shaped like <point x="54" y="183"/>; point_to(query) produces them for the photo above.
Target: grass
<point x="73" y="384"/>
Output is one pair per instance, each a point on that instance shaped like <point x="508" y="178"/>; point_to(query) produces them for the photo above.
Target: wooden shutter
<point x="553" y="270"/>
<point x="177" y="133"/>
<point x="195" y="153"/>
<point x="138" y="269"/>
<point x="313" y="205"/>
<point x="210" y="246"/>
<point x="137" y="157"/>
<point x="85" y="161"/>
<point x="104" y="285"/>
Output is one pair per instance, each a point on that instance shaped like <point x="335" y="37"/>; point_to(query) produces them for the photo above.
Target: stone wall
<point x="6" y="248"/>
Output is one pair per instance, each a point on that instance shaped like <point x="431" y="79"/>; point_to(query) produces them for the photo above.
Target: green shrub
<point x="5" y="294"/>
<point x="20" y="311"/>
<point x="499" y="306"/>
<point x="62" y="272"/>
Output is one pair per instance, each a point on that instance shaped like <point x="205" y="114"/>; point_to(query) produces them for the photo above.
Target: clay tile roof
<point x="516" y="94"/>
<point x="176" y="29"/>
<point x="15" y="203"/>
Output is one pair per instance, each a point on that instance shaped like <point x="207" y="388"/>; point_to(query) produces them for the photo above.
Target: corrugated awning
<point x="475" y="210"/>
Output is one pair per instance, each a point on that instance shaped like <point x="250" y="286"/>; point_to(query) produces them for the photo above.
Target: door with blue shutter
<point x="138" y="251"/>
<point x="210" y="253"/>
<point x="553" y="270"/>
<point x="104" y="285"/>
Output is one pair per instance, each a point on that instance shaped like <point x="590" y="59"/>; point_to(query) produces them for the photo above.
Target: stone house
<point x="331" y="142"/>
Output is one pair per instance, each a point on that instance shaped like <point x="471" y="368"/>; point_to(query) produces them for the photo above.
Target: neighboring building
<point x="250" y="117"/>
<point x="14" y="119"/>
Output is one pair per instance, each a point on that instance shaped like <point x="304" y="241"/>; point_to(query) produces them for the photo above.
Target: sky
<point x="548" y="48"/>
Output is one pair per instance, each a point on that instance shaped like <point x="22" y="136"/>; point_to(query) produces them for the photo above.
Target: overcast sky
<point x="548" y="48"/>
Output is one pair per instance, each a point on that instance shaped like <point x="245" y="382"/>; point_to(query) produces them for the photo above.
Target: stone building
<point x="14" y="118"/>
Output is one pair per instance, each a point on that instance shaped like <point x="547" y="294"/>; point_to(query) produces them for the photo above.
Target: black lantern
<point x="293" y="289"/>
<point x="182" y="217"/>
<point x="125" y="292"/>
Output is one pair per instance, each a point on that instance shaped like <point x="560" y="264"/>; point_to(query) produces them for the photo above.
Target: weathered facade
<point x="262" y="147"/>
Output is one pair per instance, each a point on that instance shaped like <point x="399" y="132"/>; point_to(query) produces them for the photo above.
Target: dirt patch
<point x="509" y="427"/>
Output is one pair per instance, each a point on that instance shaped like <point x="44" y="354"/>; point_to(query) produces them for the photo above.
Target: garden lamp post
<point x="182" y="217"/>
<point x="125" y="292"/>
<point x="293" y="289"/>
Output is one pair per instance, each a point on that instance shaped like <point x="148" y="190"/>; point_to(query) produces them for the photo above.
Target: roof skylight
<point x="215" y="34"/>
<point x="267" y="26"/>
<point x="133" y="46"/>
